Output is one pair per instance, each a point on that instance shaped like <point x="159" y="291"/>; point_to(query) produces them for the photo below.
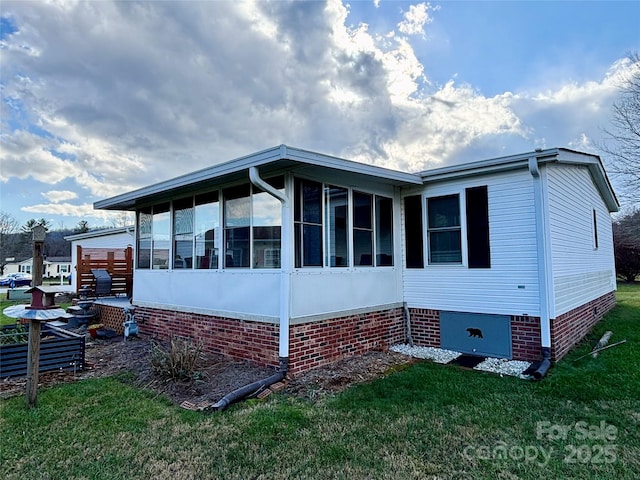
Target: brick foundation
<point x="425" y="327"/>
<point x="312" y="344"/>
<point x="526" y="341"/>
<point x="571" y="327"/>
<point x="526" y="338"/>
<point x="316" y="343"/>
<point x="320" y="343"/>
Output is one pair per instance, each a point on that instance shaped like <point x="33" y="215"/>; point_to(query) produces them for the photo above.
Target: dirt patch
<point x="216" y="375"/>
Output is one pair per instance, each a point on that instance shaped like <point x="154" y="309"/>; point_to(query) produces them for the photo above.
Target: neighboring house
<point x="11" y="267"/>
<point x="26" y="265"/>
<point x="52" y="267"/>
<point x="311" y="258"/>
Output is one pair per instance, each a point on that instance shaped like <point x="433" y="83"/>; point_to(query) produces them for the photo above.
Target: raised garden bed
<point x="59" y="350"/>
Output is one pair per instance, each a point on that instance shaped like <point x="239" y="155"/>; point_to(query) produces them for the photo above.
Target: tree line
<point x="16" y="241"/>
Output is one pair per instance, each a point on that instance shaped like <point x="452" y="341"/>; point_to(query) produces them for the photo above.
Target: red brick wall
<point x="311" y="344"/>
<point x="525" y="338"/>
<point x="242" y="339"/>
<point x="569" y="328"/>
<point x="319" y="343"/>
<point x="425" y="327"/>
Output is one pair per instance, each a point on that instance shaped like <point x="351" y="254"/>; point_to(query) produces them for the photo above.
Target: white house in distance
<point x="307" y="258"/>
<point x="52" y="267"/>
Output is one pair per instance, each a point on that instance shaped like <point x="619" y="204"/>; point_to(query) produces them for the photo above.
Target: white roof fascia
<point x="554" y="155"/>
<point x="99" y="233"/>
<point x="281" y="152"/>
<point x="482" y="167"/>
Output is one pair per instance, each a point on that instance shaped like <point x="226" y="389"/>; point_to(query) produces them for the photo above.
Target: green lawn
<point x="427" y="421"/>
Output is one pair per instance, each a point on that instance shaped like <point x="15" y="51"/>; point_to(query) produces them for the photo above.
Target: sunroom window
<point x="143" y="249"/>
<point x="337" y="242"/>
<point x="237" y="221"/>
<point x="207" y="230"/>
<point x="183" y="233"/>
<point x="362" y="229"/>
<point x="267" y="225"/>
<point x="308" y="223"/>
<point x="160" y="229"/>
<point x="384" y="232"/>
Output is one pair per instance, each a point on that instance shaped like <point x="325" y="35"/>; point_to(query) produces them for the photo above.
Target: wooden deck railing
<point x="117" y="261"/>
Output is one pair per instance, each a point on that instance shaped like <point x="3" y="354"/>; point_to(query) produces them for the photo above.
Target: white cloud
<point x="84" y="211"/>
<point x="57" y="196"/>
<point x="117" y="95"/>
<point x="415" y="19"/>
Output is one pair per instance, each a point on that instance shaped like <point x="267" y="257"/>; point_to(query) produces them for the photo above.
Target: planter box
<point x="18" y="294"/>
<point x="61" y="351"/>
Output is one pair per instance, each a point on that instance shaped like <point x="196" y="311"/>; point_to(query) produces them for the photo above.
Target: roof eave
<point x="128" y="201"/>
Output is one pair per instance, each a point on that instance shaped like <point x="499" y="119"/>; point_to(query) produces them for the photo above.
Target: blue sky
<point x="99" y="98"/>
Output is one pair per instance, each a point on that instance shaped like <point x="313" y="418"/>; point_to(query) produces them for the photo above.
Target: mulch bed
<point x="216" y="375"/>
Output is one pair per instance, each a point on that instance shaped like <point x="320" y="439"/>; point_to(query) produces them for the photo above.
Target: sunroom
<point x="280" y="237"/>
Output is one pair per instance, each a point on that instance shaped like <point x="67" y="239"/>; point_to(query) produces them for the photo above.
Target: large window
<point x="183" y="233"/>
<point x="160" y="230"/>
<point x="324" y="216"/>
<point x="237" y="226"/>
<point x="267" y="221"/>
<point x="362" y="229"/>
<point x="337" y="242"/>
<point x="384" y="232"/>
<point x="207" y="236"/>
<point x="444" y="231"/>
<point x="241" y="227"/>
<point x="144" y="238"/>
<point x="308" y="223"/>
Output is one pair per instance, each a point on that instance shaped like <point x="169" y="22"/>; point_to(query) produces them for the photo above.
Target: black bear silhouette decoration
<point x="475" y="332"/>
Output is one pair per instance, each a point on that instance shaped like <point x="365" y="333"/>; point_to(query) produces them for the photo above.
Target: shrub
<point x="14" y="334"/>
<point x="178" y="361"/>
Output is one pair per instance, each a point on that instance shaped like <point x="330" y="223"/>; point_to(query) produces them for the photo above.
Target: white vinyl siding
<point x="580" y="271"/>
<point x="510" y="286"/>
<point x="118" y="240"/>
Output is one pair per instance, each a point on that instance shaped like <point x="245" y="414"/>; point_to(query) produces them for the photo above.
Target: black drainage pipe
<point x="545" y="364"/>
<point x="254" y="387"/>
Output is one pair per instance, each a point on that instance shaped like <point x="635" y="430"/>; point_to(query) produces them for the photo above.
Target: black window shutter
<point x="413" y="231"/>
<point x="478" y="248"/>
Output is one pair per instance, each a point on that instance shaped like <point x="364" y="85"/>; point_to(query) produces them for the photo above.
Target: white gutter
<point x="545" y="322"/>
<point x="286" y="259"/>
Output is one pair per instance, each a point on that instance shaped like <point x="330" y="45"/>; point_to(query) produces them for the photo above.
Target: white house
<point x="310" y="258"/>
<point x="52" y="267"/>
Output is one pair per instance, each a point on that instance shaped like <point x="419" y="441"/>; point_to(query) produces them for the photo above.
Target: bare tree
<point x="623" y="145"/>
<point x="626" y="239"/>
<point x="8" y="225"/>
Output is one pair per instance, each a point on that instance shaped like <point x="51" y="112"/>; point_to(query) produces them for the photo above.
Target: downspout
<point x="407" y="317"/>
<point x="285" y="299"/>
<point x="545" y="321"/>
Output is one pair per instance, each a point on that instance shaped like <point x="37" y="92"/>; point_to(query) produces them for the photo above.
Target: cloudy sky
<point x="99" y="98"/>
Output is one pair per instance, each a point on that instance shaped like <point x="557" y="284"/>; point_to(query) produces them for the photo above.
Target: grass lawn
<point x="427" y="421"/>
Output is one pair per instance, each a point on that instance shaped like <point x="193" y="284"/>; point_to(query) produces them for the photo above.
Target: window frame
<point x="446" y="229"/>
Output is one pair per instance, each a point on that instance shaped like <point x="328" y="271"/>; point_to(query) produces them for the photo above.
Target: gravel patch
<point x="438" y="355"/>
<point x="500" y="366"/>
<point x="503" y="366"/>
